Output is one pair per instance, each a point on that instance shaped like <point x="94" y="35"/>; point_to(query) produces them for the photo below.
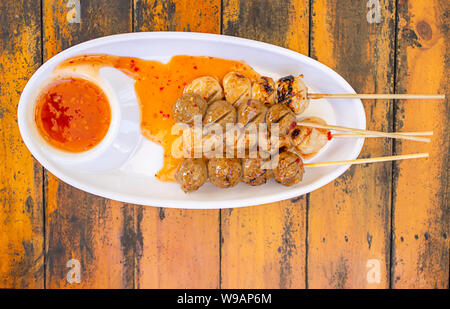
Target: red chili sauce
<point x="73" y="114"/>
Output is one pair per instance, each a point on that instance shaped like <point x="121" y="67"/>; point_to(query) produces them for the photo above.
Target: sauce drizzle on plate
<point x="158" y="86"/>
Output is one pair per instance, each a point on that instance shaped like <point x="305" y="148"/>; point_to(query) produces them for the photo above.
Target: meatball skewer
<point x="224" y="172"/>
<point x="206" y="87"/>
<point x="297" y="139"/>
<point x="256" y="170"/>
<point x="187" y="107"/>
<point x="280" y="114"/>
<point x="311" y="134"/>
<point x="293" y="92"/>
<point x="237" y="88"/>
<point x="191" y="174"/>
<point x="264" y="91"/>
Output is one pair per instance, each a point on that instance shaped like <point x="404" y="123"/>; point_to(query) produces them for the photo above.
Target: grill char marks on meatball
<point x="252" y="111"/>
<point x="220" y="112"/>
<point x="237" y="88"/>
<point x="264" y="91"/>
<point x="187" y="107"/>
<point x="289" y="169"/>
<point x="293" y="92"/>
<point x="250" y="115"/>
<point x="255" y="171"/>
<point x="206" y="87"/>
<point x="191" y="174"/>
<point x="281" y="114"/>
<point x="224" y="173"/>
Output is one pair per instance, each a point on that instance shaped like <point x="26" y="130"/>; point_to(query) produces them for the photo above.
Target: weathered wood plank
<point x="264" y="246"/>
<point x="349" y="219"/>
<point x="180" y="248"/>
<point x="421" y="211"/>
<point x="97" y="232"/>
<point x="21" y="214"/>
<point x="177" y="15"/>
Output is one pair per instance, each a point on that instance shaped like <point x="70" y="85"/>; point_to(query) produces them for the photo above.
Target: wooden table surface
<point x="378" y="226"/>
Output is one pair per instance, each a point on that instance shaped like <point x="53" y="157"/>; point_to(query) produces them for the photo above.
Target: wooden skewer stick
<point x="352" y="135"/>
<point x="367" y="132"/>
<point x="369" y="160"/>
<point x="375" y="96"/>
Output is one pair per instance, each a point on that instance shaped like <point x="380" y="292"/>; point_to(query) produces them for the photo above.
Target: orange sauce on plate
<point x="158" y="86"/>
<point x="73" y="114"/>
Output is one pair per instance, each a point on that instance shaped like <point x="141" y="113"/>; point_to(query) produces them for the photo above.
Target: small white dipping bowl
<point x="123" y="134"/>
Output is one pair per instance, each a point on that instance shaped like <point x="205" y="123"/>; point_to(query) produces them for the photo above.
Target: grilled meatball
<point x="187" y="107"/>
<point x="191" y="174"/>
<point x="237" y="88"/>
<point x="255" y="171"/>
<point x="281" y="114"/>
<point x="308" y="141"/>
<point x="250" y="115"/>
<point x="207" y="87"/>
<point x="289" y="169"/>
<point x="248" y="139"/>
<point x="271" y="145"/>
<point x="220" y="112"/>
<point x="213" y="145"/>
<point x="184" y="146"/>
<point x="251" y="111"/>
<point x="194" y="144"/>
<point x="284" y="142"/>
<point x="224" y="173"/>
<point x="264" y="91"/>
<point x="240" y="145"/>
<point x="293" y="92"/>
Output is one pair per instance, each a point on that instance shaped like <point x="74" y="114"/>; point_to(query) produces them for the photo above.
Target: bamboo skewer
<point x="353" y="135"/>
<point x="375" y="96"/>
<point x="366" y="132"/>
<point x="369" y="160"/>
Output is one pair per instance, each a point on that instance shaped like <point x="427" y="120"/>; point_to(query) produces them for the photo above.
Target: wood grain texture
<point x="96" y="231"/>
<point x="349" y="219"/>
<point x="264" y="246"/>
<point x="323" y="240"/>
<point x="21" y="215"/>
<point x="180" y="248"/>
<point x="421" y="211"/>
<point x="177" y="15"/>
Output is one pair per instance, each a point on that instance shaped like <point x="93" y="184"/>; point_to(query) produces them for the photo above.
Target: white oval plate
<point x="134" y="181"/>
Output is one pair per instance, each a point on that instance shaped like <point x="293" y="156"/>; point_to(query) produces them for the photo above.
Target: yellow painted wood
<point x="349" y="219"/>
<point x="21" y="222"/>
<point x="180" y="248"/>
<point x="421" y="211"/>
<point x="264" y="246"/>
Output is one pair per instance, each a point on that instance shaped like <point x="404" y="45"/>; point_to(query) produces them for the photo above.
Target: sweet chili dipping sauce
<point x="158" y="85"/>
<point x="73" y="114"/>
